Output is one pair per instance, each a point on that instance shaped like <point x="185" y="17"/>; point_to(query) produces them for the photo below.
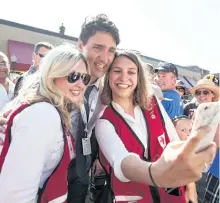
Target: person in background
<point x="40" y="51"/>
<point x="6" y="85"/>
<point x="166" y="76"/>
<point x="41" y="147"/>
<point x="204" y="91"/>
<point x="155" y="88"/>
<point x="212" y="179"/>
<point x="181" y="89"/>
<point x="183" y="126"/>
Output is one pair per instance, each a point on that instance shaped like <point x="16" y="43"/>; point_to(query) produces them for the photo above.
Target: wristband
<point x="151" y="177"/>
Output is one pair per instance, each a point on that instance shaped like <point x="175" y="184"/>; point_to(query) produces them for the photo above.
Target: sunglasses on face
<point x="74" y="76"/>
<point x="180" y="89"/>
<point x="204" y="92"/>
<point x="2" y="64"/>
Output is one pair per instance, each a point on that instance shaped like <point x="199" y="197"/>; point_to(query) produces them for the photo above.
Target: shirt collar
<point x="96" y="83"/>
<point x="121" y="111"/>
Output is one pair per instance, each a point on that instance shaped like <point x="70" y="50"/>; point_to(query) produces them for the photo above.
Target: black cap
<point x="166" y="67"/>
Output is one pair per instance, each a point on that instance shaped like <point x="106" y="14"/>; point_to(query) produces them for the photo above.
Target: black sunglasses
<point x="3" y="63"/>
<point x="180" y="89"/>
<point x="41" y="55"/>
<point x="74" y="76"/>
<point x="205" y="92"/>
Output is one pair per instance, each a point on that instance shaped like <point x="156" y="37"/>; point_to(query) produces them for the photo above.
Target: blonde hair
<point x="41" y="85"/>
<point x="142" y="94"/>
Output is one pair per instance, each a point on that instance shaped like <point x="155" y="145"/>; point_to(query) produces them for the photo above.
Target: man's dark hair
<point x="42" y="44"/>
<point x="99" y="23"/>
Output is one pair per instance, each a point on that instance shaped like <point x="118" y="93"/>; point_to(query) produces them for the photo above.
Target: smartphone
<point x="207" y="114"/>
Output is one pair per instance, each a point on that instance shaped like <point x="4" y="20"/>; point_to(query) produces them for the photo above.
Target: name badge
<point x="86" y="145"/>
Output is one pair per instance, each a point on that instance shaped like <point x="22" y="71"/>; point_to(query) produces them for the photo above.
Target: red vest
<point x="55" y="187"/>
<point x="157" y="141"/>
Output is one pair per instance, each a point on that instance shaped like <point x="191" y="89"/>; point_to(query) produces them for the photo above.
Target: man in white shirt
<point x="40" y="50"/>
<point x="6" y="85"/>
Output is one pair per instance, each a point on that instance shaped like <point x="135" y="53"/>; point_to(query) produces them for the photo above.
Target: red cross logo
<point x="162" y="141"/>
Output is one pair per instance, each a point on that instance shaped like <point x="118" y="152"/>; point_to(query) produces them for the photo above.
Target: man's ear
<point x="80" y="45"/>
<point x="174" y="79"/>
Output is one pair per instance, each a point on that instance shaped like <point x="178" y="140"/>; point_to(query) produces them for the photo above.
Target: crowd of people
<point x="96" y="124"/>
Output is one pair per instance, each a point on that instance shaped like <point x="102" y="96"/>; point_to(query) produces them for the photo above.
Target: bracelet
<point x="151" y="177"/>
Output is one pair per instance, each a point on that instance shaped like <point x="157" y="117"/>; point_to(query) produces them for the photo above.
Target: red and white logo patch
<point x="162" y="141"/>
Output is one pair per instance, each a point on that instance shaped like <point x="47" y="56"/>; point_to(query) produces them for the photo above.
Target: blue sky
<point x="184" y="32"/>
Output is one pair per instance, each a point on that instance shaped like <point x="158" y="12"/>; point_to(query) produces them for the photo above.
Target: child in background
<point x="183" y="126"/>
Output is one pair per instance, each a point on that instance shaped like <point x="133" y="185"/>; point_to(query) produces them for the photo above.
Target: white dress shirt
<point x="5" y="96"/>
<point x="112" y="146"/>
<point x="35" y="151"/>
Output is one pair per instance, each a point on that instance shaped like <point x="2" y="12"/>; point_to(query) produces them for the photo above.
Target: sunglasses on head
<point x="74" y="76"/>
<point x="204" y="92"/>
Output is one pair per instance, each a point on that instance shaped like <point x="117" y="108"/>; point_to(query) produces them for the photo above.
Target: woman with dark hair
<point x="133" y="135"/>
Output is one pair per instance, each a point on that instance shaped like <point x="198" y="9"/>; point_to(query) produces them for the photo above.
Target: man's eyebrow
<point x="99" y="45"/>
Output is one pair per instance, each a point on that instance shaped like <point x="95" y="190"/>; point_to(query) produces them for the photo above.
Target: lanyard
<point x="84" y="118"/>
<point x="70" y="146"/>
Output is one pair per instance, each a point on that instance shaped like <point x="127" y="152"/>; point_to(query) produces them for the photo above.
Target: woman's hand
<point x="179" y="164"/>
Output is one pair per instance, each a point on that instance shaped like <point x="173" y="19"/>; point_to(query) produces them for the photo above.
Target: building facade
<point x="17" y="42"/>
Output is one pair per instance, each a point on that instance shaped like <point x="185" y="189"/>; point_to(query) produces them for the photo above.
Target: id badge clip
<point x="86" y="145"/>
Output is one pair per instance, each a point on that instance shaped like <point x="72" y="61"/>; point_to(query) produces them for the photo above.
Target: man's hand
<point x="179" y="164"/>
<point x="97" y="168"/>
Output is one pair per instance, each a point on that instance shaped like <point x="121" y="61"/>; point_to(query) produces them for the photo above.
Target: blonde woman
<point x="35" y="166"/>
